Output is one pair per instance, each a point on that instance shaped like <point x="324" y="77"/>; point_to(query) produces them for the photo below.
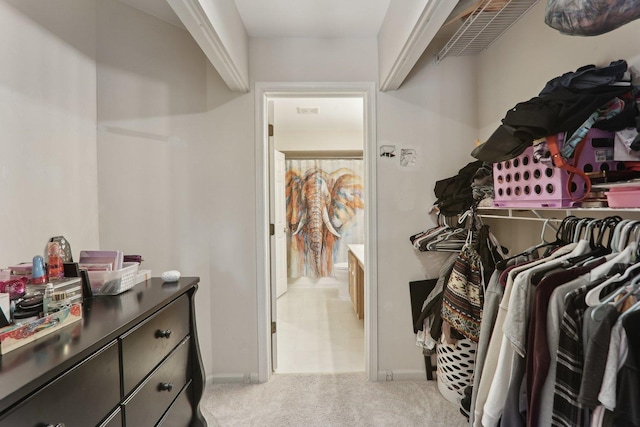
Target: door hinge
<point x="270" y="130"/>
<point x="272" y="230"/>
<point x="273" y="327"/>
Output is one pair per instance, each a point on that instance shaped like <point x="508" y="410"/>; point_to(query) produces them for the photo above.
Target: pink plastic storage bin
<point x="625" y="197"/>
<point x="523" y="182"/>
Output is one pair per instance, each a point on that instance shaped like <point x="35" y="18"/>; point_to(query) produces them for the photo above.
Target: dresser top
<point x="104" y="318"/>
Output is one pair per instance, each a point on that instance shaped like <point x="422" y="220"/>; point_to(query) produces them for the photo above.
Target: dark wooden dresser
<point x="133" y="360"/>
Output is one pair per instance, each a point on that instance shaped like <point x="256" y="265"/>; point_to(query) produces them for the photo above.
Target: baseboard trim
<point x="402" y="375"/>
<point x="251" y="378"/>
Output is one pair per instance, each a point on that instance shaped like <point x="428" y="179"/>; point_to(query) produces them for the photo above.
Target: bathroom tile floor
<point x="318" y="332"/>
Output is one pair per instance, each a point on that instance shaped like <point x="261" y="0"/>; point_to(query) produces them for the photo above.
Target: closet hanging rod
<point x="522" y="218"/>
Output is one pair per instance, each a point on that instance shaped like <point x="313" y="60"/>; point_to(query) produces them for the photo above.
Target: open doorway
<point x="318" y="184"/>
<point x="267" y="294"/>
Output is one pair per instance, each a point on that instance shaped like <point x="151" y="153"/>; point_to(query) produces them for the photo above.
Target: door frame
<point x="264" y="92"/>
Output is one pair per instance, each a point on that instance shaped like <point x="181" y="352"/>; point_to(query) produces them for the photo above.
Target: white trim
<point x="231" y="378"/>
<point x="263" y="296"/>
<point x="371" y="238"/>
<point x="431" y="19"/>
<point x="403" y="375"/>
<point x="368" y="92"/>
<point x="195" y="19"/>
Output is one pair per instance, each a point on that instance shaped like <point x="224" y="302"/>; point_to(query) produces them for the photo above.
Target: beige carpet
<point x="329" y="400"/>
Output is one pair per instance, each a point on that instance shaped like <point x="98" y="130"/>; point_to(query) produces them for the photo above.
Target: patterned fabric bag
<point x="590" y="17"/>
<point x="463" y="295"/>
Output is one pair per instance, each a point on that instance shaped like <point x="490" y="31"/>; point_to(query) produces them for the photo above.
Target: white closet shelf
<point x="534" y="214"/>
<point x="483" y="23"/>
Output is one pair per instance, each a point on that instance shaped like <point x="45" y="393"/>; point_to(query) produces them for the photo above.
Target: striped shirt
<point x="567" y="412"/>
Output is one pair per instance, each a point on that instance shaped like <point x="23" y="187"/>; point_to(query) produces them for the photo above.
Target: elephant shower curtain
<point x="325" y="213"/>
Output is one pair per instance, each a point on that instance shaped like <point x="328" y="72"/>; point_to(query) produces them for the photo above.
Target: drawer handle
<point x="163" y="334"/>
<point x="165" y="387"/>
<point x="56" y="425"/>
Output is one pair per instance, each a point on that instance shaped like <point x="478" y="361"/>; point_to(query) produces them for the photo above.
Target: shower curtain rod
<point x="323" y="155"/>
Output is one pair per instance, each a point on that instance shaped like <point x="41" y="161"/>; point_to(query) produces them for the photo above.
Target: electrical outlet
<point x="389" y="375"/>
<point x="246" y="378"/>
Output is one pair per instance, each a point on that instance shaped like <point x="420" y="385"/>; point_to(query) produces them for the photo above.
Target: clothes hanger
<point x="615" y="240"/>
<point x="449" y="239"/>
<point x="595" y="241"/>
<point x="543" y="243"/>
<point x="625" y="233"/>
<point x="609" y="225"/>
<point x="593" y="296"/>
<point x="420" y="240"/>
<point x="631" y="272"/>
<point x="632" y="289"/>
<point x="635" y="307"/>
<point x="569" y="230"/>
<point x="580" y="227"/>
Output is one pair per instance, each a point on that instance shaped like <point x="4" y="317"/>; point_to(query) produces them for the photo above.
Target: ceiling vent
<point x="307" y="110"/>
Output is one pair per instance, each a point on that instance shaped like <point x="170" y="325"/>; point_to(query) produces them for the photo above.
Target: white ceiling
<point x="158" y="8"/>
<point x="293" y="18"/>
<point x="312" y="18"/>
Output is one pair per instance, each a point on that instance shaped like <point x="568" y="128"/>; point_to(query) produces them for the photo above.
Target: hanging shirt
<point x="492" y="298"/>
<point x="615" y="358"/>
<point x="627" y="412"/>
<point x="491" y="361"/>
<point x="597" y="334"/>
<point x="567" y="411"/>
<point x="554" y="318"/>
<point x="538" y="358"/>
<point x="517" y="300"/>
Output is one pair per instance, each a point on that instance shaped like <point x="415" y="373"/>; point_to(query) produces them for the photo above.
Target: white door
<point x="278" y="241"/>
<point x="280" y="221"/>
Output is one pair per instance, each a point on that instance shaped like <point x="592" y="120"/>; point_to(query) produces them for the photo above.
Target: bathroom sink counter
<point x="356" y="278"/>
<point x="358" y="251"/>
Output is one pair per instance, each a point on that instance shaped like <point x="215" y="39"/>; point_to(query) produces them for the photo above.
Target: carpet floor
<point x="329" y="400"/>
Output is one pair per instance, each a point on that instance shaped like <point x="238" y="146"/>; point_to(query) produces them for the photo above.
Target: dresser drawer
<point x="150" y="342"/>
<point x="181" y="412"/>
<point x="66" y="400"/>
<point x="114" y="420"/>
<point x="147" y="404"/>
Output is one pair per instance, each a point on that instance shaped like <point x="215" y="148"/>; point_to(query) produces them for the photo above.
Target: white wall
<point x="154" y="176"/>
<point x="230" y="230"/>
<point x="434" y="111"/>
<point x="312" y="60"/>
<point x="318" y="140"/>
<point x="48" y="180"/>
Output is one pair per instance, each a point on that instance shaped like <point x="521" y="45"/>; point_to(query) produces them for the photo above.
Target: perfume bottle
<point x="55" y="267"/>
<point x="47" y="298"/>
